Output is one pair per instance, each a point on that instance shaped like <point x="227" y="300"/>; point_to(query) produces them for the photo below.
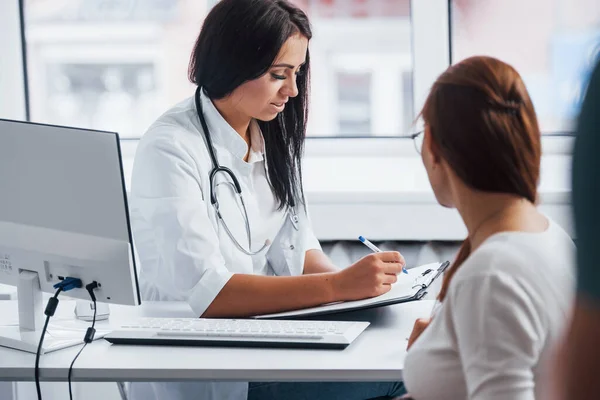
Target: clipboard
<point x="409" y="287"/>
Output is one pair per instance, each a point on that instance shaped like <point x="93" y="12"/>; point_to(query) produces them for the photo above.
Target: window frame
<point x="419" y="216"/>
<point x="13" y="82"/>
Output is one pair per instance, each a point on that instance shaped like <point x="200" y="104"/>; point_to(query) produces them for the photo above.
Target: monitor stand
<point x="25" y="336"/>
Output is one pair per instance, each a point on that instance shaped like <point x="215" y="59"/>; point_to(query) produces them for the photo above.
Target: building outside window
<point x="118" y="64"/>
<point x="553" y="44"/>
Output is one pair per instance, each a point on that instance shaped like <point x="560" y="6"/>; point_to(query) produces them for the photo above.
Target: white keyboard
<point x="238" y="332"/>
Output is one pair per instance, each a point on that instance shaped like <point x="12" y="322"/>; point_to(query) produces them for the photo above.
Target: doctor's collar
<point x="223" y="135"/>
<point x="257" y="143"/>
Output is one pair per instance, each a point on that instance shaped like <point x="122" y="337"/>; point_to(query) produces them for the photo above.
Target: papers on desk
<point x="409" y="287"/>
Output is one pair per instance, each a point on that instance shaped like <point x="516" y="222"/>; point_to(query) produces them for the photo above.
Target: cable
<point x="71" y="369"/>
<point x="62" y="286"/>
<point x="50" y="309"/>
<point x="89" y="334"/>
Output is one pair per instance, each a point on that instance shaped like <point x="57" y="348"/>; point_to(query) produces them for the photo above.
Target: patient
<point x="506" y="298"/>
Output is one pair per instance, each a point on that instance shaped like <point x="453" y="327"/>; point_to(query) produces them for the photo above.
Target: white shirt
<point x="494" y="333"/>
<point x="183" y="250"/>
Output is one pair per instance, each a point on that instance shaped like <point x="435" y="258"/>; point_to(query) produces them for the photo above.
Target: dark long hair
<point x="481" y="118"/>
<point x="239" y="42"/>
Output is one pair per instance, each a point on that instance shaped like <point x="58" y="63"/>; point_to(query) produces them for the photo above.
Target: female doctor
<point x="217" y="206"/>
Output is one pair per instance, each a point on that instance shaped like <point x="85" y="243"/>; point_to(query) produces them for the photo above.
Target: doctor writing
<point x="217" y="207"/>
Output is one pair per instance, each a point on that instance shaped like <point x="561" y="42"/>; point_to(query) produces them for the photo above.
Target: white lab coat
<point x="183" y="251"/>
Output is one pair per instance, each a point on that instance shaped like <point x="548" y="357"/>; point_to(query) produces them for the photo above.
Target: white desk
<point x="377" y="354"/>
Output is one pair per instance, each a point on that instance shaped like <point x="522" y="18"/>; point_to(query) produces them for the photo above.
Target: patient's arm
<point x="418" y="329"/>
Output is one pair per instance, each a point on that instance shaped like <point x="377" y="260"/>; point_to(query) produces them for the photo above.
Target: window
<point x="108" y="64"/>
<point x="117" y="97"/>
<point x="118" y="64"/>
<point x="354" y="103"/>
<point x="360" y="50"/>
<point x="553" y="45"/>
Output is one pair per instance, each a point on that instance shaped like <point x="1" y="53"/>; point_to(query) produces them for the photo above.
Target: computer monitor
<point x="63" y="213"/>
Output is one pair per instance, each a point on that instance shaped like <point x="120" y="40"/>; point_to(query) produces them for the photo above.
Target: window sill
<point x="378" y="188"/>
<point x="389" y="198"/>
<point x="403" y="216"/>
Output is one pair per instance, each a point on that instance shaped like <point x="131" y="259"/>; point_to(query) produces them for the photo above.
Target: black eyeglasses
<point x="418" y="140"/>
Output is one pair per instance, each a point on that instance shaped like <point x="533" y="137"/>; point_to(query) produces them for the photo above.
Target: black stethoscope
<point x="217" y="168"/>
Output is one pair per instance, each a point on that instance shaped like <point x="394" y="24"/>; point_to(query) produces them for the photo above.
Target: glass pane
<point x="102" y="96"/>
<point x="118" y="64"/>
<point x="553" y="45"/>
<point x="354" y="103"/>
<point x="360" y="54"/>
<point x="109" y="64"/>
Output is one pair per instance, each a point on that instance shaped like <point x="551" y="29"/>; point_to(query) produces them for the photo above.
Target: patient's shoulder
<point x="523" y="254"/>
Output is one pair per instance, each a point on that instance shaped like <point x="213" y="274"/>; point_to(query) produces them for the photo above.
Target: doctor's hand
<point x="370" y="276"/>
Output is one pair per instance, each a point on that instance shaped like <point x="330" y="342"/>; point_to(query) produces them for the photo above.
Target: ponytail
<point x="463" y="253"/>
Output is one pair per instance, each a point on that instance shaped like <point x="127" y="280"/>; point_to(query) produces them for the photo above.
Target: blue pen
<point x="374" y="248"/>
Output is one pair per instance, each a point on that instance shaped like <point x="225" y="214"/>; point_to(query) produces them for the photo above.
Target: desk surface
<point x="377" y="354"/>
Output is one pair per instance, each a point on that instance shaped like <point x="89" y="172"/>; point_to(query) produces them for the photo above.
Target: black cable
<point x="37" y="360"/>
<point x="50" y="309"/>
<point x="71" y="369"/>
<point x="89" y="334"/>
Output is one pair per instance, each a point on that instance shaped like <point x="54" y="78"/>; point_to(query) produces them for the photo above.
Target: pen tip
<point x="362" y="239"/>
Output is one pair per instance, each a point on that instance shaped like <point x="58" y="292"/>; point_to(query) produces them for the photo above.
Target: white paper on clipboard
<point x="409" y="287"/>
